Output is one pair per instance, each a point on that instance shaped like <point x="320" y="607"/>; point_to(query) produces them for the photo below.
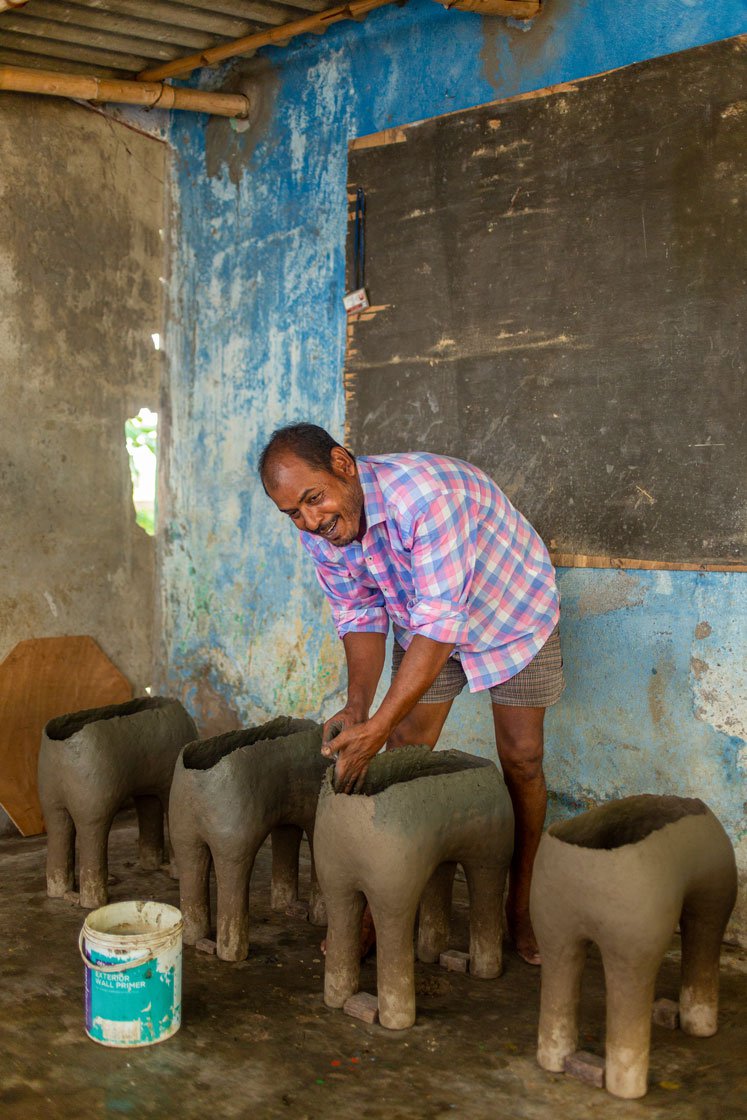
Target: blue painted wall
<point x="655" y="661"/>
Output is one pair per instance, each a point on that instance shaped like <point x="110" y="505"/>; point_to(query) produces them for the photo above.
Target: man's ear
<point x="342" y="462"/>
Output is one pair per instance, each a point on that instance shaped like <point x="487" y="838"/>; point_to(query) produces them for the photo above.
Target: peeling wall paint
<point x="651" y="706"/>
<point x="257" y="339"/>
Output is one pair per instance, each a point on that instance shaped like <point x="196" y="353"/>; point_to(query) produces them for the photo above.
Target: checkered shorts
<point x="538" y="685"/>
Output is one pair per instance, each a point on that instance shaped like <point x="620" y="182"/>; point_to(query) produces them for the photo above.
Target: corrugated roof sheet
<point x="119" y="38"/>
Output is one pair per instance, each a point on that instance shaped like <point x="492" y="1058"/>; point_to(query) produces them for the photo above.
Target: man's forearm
<point x="423" y="661"/>
<point x="365" y="655"/>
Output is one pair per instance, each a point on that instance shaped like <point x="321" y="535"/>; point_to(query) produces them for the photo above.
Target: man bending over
<point x="434" y="545"/>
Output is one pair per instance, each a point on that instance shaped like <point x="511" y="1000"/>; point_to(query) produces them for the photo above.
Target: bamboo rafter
<point x="318" y="24"/>
<point x="278" y="36"/>
<point x="154" y="95"/>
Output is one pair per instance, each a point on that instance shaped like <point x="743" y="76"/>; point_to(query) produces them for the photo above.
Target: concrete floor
<point x="257" y="1041"/>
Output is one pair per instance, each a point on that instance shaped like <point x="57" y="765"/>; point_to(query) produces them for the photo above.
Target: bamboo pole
<point x="154" y="95"/>
<point x="316" y="23"/>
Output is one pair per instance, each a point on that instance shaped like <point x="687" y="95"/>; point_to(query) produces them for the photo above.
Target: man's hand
<point x="356" y="740"/>
<point x="354" y="748"/>
<point x="340" y="721"/>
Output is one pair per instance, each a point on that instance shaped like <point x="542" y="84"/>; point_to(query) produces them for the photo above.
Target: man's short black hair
<point x="308" y="441"/>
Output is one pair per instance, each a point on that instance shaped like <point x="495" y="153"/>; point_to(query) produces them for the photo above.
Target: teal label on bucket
<point x="136" y="1006"/>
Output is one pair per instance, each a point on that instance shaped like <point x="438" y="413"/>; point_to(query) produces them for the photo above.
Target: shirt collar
<point x="373" y="499"/>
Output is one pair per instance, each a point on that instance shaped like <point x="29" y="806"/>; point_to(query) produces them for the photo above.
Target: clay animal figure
<point x="623" y="875"/>
<point x="397" y="842"/>
<point x="229" y="794"/>
<point x="90" y="763"/>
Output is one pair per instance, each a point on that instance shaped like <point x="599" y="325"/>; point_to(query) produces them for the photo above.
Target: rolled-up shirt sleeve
<point x="356" y="607"/>
<point x="444" y="536"/>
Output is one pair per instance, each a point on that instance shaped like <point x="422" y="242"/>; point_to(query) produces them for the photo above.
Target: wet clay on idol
<point x="397" y="844"/>
<point x="622" y="876"/>
<point x="229" y="794"/>
<point x="90" y="763"/>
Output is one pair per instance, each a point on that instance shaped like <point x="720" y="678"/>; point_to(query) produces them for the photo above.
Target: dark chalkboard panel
<point x="559" y="290"/>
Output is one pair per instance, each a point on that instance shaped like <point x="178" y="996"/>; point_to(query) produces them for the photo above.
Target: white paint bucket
<point x="132" y="953"/>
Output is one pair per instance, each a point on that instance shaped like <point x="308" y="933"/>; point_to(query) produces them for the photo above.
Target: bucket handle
<point x="111" y="967"/>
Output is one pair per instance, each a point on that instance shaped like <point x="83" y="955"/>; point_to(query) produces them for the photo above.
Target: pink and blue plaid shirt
<point x="446" y="555"/>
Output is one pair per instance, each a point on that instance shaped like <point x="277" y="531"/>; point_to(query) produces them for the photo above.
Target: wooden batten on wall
<point x="573" y="560"/>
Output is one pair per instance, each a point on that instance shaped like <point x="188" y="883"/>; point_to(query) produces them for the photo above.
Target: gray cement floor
<point x="257" y="1041"/>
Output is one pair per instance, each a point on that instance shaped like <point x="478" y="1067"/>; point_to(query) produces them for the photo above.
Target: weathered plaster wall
<point x="656" y="696"/>
<point x="257" y="337"/>
<point x="81" y="253"/>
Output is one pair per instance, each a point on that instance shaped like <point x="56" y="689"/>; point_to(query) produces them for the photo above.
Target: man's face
<point x="327" y="503"/>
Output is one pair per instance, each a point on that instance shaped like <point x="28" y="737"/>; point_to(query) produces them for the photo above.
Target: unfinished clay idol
<point x="229" y="794"/>
<point x="418" y="814"/>
<point x="90" y="763"/>
<point x="623" y="875"/>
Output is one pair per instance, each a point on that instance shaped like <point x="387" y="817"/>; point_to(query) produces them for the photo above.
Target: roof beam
<point x="317" y="24"/>
<point x="154" y="95"/>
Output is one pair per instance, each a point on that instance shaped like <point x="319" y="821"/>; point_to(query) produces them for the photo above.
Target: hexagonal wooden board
<point x="41" y="678"/>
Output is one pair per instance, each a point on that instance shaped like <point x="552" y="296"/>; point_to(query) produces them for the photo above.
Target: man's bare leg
<point x="520" y="743"/>
<point x="421" y="727"/>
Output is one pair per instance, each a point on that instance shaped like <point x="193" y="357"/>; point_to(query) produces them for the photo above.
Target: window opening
<point x="140" y="437"/>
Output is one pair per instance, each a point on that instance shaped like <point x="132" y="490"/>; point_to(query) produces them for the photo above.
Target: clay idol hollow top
<point x="410" y="763"/>
<point x="64" y="727"/>
<point x="629" y="821"/>
<point x="207" y="753"/>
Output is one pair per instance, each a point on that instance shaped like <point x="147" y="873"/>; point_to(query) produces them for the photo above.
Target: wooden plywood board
<point x="557" y="285"/>
<point x="39" y="679"/>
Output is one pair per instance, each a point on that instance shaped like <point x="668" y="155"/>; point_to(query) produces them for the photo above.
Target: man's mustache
<point x="322" y="529"/>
